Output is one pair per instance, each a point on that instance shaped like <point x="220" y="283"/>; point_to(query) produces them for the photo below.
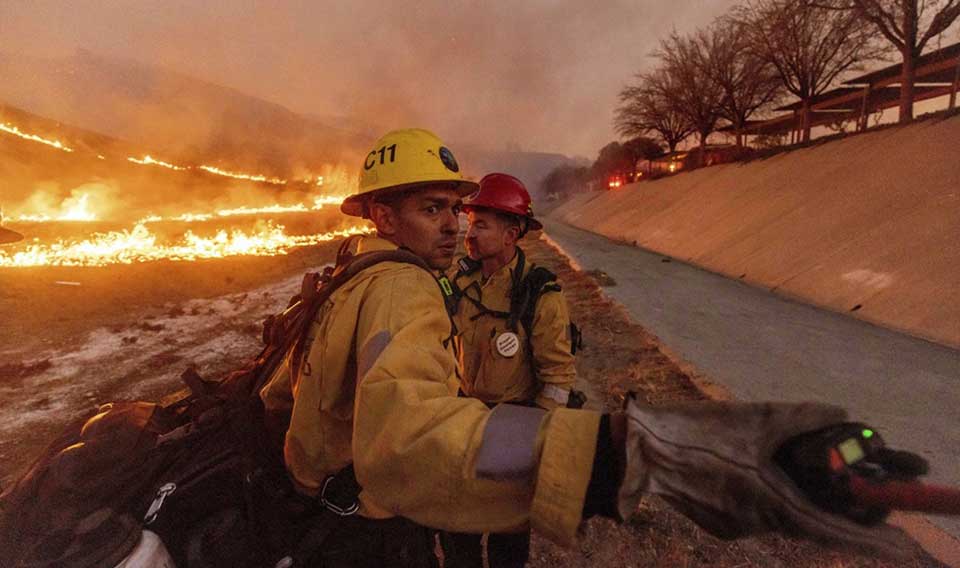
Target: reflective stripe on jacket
<point x="492" y="374"/>
<point x="377" y="387"/>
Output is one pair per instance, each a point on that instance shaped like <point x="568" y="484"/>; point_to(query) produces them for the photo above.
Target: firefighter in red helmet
<point x="513" y="332"/>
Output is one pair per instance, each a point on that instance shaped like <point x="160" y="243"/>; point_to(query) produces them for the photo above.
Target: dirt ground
<point x="74" y="338"/>
<point x="127" y="332"/>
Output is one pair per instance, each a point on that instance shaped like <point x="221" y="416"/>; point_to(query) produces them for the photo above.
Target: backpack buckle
<point x="341" y="502"/>
<point x="154" y="510"/>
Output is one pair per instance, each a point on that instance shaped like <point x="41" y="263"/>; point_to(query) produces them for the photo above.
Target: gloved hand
<point x="713" y="461"/>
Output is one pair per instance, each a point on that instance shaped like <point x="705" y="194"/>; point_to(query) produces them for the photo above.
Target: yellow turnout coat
<point x="377" y="388"/>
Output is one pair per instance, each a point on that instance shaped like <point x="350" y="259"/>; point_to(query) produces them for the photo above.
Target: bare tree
<point x="749" y="83"/>
<point x="809" y="46"/>
<point x="907" y="24"/>
<point x="697" y="96"/>
<point x="647" y="109"/>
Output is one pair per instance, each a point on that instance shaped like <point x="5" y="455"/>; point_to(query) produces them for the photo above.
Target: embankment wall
<point x="871" y="220"/>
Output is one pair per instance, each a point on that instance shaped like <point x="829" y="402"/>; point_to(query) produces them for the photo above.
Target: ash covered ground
<point x="74" y="338"/>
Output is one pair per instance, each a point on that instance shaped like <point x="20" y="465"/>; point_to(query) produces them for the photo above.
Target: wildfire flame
<point x="141" y="245"/>
<point x="260" y="178"/>
<point x="11" y="129"/>
<point x="318" y="203"/>
<point x="79" y="211"/>
<point x="148" y="161"/>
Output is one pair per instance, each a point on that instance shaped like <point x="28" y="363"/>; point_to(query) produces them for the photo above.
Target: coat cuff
<point x="564" y="473"/>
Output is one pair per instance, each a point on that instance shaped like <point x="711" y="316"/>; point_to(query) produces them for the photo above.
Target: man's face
<point x="426" y="222"/>
<point x="487" y="234"/>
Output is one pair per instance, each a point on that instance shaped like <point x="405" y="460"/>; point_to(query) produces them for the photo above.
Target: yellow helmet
<point x="403" y="159"/>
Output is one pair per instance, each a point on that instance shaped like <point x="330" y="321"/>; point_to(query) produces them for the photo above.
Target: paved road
<point x="764" y="347"/>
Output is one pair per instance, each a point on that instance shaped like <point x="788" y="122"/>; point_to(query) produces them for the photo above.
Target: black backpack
<point x="199" y="468"/>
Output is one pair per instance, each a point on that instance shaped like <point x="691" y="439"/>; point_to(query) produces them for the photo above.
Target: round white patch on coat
<point x="507" y="344"/>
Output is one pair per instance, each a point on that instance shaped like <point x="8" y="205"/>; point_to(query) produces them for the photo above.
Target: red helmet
<point x="505" y="193"/>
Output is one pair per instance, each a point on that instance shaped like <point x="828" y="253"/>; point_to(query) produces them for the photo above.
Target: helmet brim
<point x="532" y="224"/>
<point x="353" y="205"/>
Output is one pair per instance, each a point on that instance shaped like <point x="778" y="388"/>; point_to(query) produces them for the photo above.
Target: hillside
<point x="866" y="225"/>
<point x="171" y="112"/>
<point x="529" y="167"/>
<point x="36" y="176"/>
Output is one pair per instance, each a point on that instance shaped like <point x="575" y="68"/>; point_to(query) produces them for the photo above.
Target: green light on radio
<point x="867" y="433"/>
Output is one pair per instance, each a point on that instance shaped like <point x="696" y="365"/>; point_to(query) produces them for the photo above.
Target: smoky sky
<point x="539" y="75"/>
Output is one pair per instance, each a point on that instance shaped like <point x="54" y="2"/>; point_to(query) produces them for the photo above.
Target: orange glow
<point x="11" y="129"/>
<point x="140" y="245"/>
<point x="78" y="210"/>
<point x="260" y="178"/>
<point x="148" y="161"/>
<point x="143" y="242"/>
<point x="318" y="203"/>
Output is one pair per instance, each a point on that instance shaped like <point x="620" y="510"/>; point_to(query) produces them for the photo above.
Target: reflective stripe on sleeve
<point x="371" y="352"/>
<point x="509" y="438"/>
<point x="557" y="394"/>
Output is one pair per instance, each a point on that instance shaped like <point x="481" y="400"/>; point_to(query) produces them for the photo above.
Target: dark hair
<point x="389" y="198"/>
<point x="511" y="220"/>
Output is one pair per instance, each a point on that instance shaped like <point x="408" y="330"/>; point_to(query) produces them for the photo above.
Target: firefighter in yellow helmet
<point x="513" y="333"/>
<point x="378" y="435"/>
<point x="377" y="390"/>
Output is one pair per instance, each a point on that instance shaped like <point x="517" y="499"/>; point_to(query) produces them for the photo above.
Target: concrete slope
<point x="870" y="221"/>
<point x="763" y="347"/>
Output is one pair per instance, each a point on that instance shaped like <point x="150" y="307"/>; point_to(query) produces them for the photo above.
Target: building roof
<point x="938" y="64"/>
<point x="833" y="93"/>
<point x="783" y="124"/>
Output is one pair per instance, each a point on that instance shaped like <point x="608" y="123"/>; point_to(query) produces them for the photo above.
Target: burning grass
<point x="140" y="244"/>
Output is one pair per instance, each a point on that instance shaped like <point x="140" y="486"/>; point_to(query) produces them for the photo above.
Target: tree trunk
<point x="805" y="121"/>
<point x="906" y="86"/>
<point x="956" y="85"/>
<point x="864" y="117"/>
<point x="701" y="155"/>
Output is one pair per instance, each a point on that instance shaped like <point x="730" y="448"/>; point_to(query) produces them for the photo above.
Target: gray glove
<point x="713" y="461"/>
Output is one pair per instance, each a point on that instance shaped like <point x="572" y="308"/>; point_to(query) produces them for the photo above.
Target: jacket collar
<point x="374" y="243"/>
<point x="503" y="275"/>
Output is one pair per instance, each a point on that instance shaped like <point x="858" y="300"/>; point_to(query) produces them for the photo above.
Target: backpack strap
<point x="452" y="292"/>
<point x="352" y="265"/>
<point x="525" y="294"/>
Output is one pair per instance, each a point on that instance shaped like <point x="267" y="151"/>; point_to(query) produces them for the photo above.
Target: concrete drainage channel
<point x="760" y="346"/>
